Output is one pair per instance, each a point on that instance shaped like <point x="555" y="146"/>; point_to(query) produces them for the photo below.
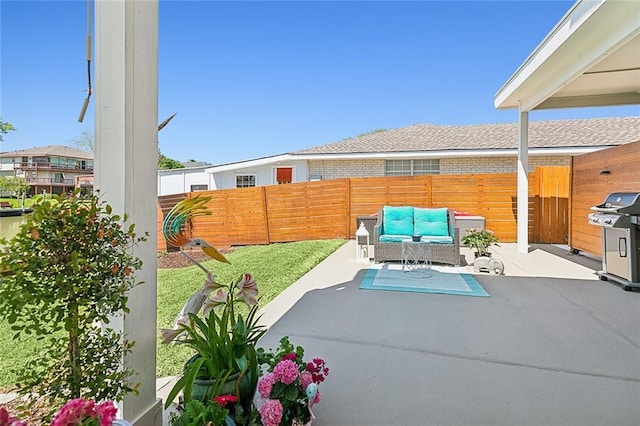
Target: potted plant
<point x="210" y="412"/>
<point x="480" y="240"/>
<point x="225" y="360"/>
<point x="289" y="389"/>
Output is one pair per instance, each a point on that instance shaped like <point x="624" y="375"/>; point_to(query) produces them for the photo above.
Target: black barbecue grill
<point x="619" y="218"/>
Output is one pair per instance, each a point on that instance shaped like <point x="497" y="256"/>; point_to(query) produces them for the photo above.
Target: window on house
<point x="41" y="161"/>
<point x="397" y="168"/>
<point x="58" y="178"/>
<point x="245" y="181"/>
<point x="412" y="167"/>
<point x="426" y="167"/>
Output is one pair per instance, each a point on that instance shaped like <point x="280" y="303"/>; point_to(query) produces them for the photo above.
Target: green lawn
<point x="17" y="203"/>
<point x="274" y="267"/>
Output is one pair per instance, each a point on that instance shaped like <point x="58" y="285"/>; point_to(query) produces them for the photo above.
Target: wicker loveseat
<point x="436" y="226"/>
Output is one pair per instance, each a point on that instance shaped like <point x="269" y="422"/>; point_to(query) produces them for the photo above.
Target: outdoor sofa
<point x="434" y="225"/>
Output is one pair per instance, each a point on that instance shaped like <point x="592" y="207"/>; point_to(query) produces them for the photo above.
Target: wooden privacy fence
<point x="589" y="187"/>
<point x="328" y="209"/>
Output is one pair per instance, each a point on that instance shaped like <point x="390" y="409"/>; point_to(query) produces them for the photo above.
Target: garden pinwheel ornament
<point x="174" y="230"/>
<point x="175" y="224"/>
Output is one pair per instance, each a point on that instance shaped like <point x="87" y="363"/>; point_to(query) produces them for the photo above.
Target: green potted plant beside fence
<point x="479" y="240"/>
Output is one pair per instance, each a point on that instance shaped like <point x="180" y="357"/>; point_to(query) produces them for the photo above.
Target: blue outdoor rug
<point x="443" y="280"/>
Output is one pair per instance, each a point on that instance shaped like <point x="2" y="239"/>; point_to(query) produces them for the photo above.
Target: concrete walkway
<point x="552" y="345"/>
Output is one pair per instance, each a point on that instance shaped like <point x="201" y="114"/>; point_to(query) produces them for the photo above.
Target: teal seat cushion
<point x="397" y="220"/>
<point x="431" y="222"/>
<point x="387" y="238"/>
<point x="437" y="239"/>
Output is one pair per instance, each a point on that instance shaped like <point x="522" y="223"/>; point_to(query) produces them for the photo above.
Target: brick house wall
<point x="338" y="169"/>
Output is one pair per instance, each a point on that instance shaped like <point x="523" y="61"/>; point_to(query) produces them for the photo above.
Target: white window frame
<point x="411" y="171"/>
<point x="255" y="179"/>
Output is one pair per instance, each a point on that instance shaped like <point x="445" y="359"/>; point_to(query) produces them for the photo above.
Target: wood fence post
<point x="266" y="214"/>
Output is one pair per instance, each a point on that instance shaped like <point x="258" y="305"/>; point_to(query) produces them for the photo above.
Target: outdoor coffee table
<point x="416" y="258"/>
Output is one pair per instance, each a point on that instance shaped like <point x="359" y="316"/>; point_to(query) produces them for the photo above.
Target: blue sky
<point x="253" y="79"/>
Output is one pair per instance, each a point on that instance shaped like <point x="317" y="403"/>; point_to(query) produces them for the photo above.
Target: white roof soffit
<point x="447" y="154"/>
<point x="249" y="163"/>
<point x="590" y="58"/>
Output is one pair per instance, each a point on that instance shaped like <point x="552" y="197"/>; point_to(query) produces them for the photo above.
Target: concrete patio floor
<point x="552" y="345"/>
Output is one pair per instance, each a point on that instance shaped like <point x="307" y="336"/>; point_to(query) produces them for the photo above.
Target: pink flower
<point x="247" y="289"/>
<point x="292" y="356"/>
<point x="77" y="411"/>
<point x="286" y="371"/>
<point x="305" y="379"/>
<point x="7" y="420"/>
<point x="71" y="413"/>
<point x="107" y="412"/>
<point x="318" y="397"/>
<point x="266" y="384"/>
<point x="271" y="412"/>
<point x="318" y="370"/>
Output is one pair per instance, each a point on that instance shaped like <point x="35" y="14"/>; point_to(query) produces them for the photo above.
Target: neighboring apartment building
<point x="53" y="169"/>
<point x="421" y="149"/>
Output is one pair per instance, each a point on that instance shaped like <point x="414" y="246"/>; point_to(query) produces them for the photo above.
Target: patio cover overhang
<point x="590" y="58"/>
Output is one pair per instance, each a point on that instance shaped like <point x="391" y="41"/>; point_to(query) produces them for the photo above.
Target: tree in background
<point x="5" y="128"/>
<point x="371" y="132"/>
<point x="166" y="163"/>
<point x="13" y="185"/>
<point x="84" y="141"/>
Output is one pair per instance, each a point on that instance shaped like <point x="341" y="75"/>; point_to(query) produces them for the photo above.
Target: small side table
<point x="416" y="258"/>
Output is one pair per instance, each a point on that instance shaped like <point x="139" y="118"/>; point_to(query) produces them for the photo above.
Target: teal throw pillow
<point x="398" y="220"/>
<point x="431" y="222"/>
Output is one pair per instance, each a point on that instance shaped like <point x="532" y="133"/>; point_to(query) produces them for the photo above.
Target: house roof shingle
<point x="55" y="150"/>
<point x="542" y="134"/>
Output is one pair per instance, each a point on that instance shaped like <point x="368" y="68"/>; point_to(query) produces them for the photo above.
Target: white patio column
<point x="523" y="182"/>
<point x="126" y="108"/>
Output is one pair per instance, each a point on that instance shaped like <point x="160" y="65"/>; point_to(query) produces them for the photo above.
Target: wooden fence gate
<point x="551" y="205"/>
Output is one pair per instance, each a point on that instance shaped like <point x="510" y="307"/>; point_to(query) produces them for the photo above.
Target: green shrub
<point x="65" y="275"/>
